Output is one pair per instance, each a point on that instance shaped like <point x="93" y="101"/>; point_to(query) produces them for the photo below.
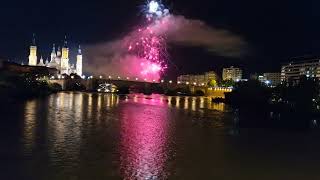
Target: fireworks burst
<point x="155" y="10"/>
<point x="148" y="46"/>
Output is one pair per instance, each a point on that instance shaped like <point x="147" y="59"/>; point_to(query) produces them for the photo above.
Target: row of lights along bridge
<point x="127" y="78"/>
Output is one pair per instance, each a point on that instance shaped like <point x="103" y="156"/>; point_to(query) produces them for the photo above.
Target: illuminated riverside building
<point x="232" y="73"/>
<point x="307" y="67"/>
<point x="199" y="79"/>
<point x="58" y="59"/>
<point x="273" y="78"/>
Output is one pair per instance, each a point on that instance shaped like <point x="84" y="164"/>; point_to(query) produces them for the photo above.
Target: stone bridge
<point x="93" y="84"/>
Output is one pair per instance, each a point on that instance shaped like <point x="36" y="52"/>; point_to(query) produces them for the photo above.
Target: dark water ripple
<point x="105" y="136"/>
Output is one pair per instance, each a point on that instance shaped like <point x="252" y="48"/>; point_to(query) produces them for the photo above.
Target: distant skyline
<point x="274" y="30"/>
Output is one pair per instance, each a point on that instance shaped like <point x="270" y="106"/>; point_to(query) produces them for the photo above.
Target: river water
<point x="91" y="136"/>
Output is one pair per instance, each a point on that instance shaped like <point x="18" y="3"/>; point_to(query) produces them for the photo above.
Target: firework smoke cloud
<point x="142" y="53"/>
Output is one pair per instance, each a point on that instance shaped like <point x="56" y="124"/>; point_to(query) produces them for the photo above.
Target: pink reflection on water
<point x="143" y="143"/>
<point x="154" y="99"/>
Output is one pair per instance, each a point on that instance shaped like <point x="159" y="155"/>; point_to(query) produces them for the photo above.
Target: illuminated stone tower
<point x="65" y="58"/>
<point x="79" y="62"/>
<point x="33" y="52"/>
<point x="53" y="53"/>
<point x="41" y="62"/>
<point x="59" y="52"/>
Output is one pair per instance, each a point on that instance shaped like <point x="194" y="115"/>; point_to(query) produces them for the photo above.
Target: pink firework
<point x="150" y="48"/>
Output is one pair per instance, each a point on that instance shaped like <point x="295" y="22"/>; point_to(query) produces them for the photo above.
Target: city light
<point x="110" y="77"/>
<point x="72" y="77"/>
<point x="100" y="77"/>
<point x="162" y="81"/>
<point x="170" y="81"/>
<point x="179" y="82"/>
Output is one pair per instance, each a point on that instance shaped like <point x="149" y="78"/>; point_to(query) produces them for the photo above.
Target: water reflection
<point x="65" y="118"/>
<point x="143" y="141"/>
<point x="67" y="126"/>
<point x="184" y="102"/>
<point x="29" y="124"/>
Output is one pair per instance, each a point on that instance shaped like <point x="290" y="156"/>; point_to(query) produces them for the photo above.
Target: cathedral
<point x="59" y="59"/>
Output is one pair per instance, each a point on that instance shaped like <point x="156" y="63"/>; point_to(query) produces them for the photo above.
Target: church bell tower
<point x="33" y="52"/>
<point x="79" y="62"/>
<point x="65" y="58"/>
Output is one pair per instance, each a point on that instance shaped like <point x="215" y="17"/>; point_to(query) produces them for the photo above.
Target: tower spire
<point x="79" y="50"/>
<point x="33" y="39"/>
<point x="33" y="52"/>
<point x="54" y="48"/>
<point x="65" y="41"/>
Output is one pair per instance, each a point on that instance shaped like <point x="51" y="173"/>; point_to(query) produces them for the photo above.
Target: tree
<point x="212" y="83"/>
<point x="227" y="83"/>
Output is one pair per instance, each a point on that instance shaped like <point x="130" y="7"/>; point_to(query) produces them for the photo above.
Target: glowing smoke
<point x="116" y="58"/>
<point x="189" y="32"/>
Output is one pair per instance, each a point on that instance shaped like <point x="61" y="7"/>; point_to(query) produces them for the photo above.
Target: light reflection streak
<point x="143" y="141"/>
<point x="65" y="120"/>
<point x="89" y="106"/>
<point x="30" y="124"/>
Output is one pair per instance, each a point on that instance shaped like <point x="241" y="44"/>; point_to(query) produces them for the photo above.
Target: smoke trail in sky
<point x="142" y="53"/>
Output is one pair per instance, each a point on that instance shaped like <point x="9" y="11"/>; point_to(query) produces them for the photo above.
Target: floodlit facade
<point x="293" y="71"/>
<point x="232" y="73"/>
<point x="33" y="53"/>
<point x="198" y="79"/>
<point x="273" y="78"/>
<point x="79" y="62"/>
<point x="59" y="59"/>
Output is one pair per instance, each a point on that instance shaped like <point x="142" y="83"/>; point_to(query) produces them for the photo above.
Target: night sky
<point x="274" y="30"/>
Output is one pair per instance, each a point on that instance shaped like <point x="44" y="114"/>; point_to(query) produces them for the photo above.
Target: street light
<point x="170" y="81"/>
<point x="162" y="81"/>
<point x="100" y="77"/>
